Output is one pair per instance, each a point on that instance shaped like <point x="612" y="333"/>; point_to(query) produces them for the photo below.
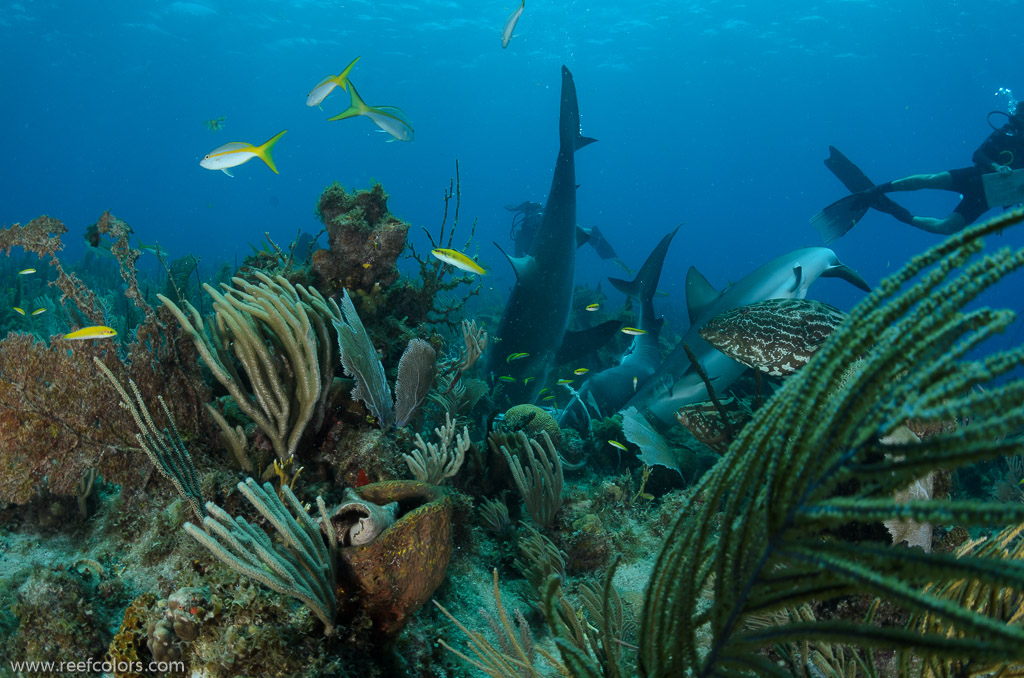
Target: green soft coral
<point x="779" y="490"/>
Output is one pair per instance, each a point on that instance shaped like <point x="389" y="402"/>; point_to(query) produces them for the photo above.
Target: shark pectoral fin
<point x="575" y="345"/>
<point x="798" y="272"/>
<point x="521" y="265"/>
<point x="699" y="293"/>
<point x="582" y="141"/>
<point x="848" y="274"/>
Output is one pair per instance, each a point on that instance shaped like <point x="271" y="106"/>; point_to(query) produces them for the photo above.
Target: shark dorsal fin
<point x="699" y="293"/>
<point x="519" y="264"/>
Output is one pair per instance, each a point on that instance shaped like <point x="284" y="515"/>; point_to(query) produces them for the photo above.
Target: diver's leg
<point x="915" y="182"/>
<point x="944" y="226"/>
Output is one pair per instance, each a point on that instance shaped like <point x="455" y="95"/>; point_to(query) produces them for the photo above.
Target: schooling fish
<point x="235" y="153"/>
<point x="20" y="311"/>
<point x="580" y="370"/>
<point x="327" y="85"/>
<point x="461" y="262"/>
<point x="593" y="307"/>
<point x="391" y="119"/>
<point x="633" y="331"/>
<point x="39" y="311"/>
<point x="516" y="356"/>
<point x="91" y="332"/>
<point x="510" y="24"/>
<point x="26" y="271"/>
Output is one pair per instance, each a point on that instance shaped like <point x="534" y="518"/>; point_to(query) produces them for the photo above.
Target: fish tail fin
<point x="342" y="80"/>
<point x="264" y="151"/>
<point x="356" y="105"/>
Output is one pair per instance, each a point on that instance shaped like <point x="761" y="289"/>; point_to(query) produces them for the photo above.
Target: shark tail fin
<point x="645" y="284"/>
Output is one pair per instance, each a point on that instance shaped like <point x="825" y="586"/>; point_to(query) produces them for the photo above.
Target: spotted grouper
<point x="777" y="336"/>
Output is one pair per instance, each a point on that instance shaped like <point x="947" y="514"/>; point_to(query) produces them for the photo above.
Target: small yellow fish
<point x="549" y="398"/>
<point x="92" y="332"/>
<point x="634" y="384"/>
<point x="26" y="271"/>
<point x="528" y="380"/>
<point x="38" y="311"/>
<point x="516" y="356"/>
<point x="20" y="311"/>
<point x="580" y="370"/>
<point x="366" y="265"/>
<point x="616" y="443"/>
<point x="458" y="260"/>
<point x="565" y="381"/>
<point x="593" y="307"/>
<point x="632" y="331"/>
<point x="327" y="85"/>
<point x="235" y="153"/>
<point x="507" y="379"/>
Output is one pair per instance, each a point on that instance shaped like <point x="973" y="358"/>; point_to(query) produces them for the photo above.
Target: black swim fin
<point x="843" y="214"/>
<point x="840" y="216"/>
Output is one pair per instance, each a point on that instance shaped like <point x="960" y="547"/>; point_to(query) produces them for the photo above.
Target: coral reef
<point x="365" y="240"/>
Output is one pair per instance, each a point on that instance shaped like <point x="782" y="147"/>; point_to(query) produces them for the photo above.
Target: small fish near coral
<point x="91" y="332"/>
<point x="458" y="260"/>
<point x="235" y="153"/>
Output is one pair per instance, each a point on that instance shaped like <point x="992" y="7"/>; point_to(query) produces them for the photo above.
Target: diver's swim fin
<point x="852" y="177"/>
<point x="843" y="214"/>
<point x="840" y="216"/>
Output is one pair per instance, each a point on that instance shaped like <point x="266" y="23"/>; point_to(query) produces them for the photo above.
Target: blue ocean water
<point x="712" y="114"/>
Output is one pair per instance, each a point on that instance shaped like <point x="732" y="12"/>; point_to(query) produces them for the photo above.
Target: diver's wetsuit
<point x="1005" y="146"/>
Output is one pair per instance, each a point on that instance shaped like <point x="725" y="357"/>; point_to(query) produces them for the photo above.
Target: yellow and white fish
<point x="391" y="119"/>
<point x="633" y="331"/>
<point x="616" y="443"/>
<point x="327" y="85"/>
<point x="458" y="260"/>
<point x="235" y="153"/>
<point x="26" y="271"/>
<point x="593" y="307"/>
<point x="19" y="311"/>
<point x="510" y="24"/>
<point x="91" y="332"/>
<point x="39" y="311"/>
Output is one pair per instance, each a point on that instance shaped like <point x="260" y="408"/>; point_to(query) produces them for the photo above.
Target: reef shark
<point x="676" y="382"/>
<point x="607" y="391"/>
<point x="532" y="334"/>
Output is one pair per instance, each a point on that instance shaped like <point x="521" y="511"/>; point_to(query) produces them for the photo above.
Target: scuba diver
<point x="527" y="218"/>
<point x="989" y="182"/>
<point x="525" y="222"/>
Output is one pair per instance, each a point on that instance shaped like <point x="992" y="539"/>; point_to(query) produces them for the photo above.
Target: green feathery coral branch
<point x="302" y="566"/>
<point x="785" y="482"/>
<point x="281" y="336"/>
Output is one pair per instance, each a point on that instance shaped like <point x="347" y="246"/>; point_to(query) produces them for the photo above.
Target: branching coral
<point x="432" y="463"/>
<point x="280" y="335"/>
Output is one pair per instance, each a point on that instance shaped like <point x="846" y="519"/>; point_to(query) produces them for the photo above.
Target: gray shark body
<point x="676" y="382"/>
<point x="536" y="316"/>
<point x="607" y="391"/>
